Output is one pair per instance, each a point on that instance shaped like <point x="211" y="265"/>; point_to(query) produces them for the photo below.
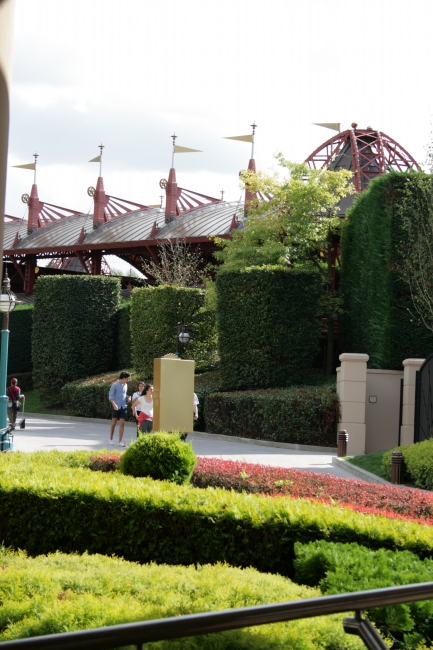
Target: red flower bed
<point x="373" y="498"/>
<point x="370" y="498"/>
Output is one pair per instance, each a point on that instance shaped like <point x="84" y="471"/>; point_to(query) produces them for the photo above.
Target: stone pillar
<point x="408" y="416"/>
<point x="351" y="389"/>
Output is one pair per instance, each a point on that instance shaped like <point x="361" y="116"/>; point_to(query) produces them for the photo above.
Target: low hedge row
<point x="88" y="398"/>
<point x="25" y="380"/>
<point x="62" y="593"/>
<point x="417" y="464"/>
<point x="305" y="415"/>
<point x="342" y="568"/>
<point x="146" y="520"/>
<point x="204" y="385"/>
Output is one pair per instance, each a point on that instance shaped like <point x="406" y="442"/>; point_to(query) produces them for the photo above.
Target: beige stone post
<point x="408" y="416"/>
<point x="351" y="389"/>
<point x="6" y="38"/>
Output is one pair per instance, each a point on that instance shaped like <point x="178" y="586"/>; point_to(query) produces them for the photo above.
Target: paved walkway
<point x="45" y="433"/>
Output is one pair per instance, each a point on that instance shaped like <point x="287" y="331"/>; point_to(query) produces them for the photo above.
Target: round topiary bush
<point x="161" y="456"/>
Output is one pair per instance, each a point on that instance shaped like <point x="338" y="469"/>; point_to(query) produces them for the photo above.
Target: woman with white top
<point x="136" y="411"/>
<point x="145" y="403"/>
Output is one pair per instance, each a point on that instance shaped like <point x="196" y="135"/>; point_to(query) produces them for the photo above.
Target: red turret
<point x="172" y="194"/>
<point x="249" y="196"/>
<point x="100" y="203"/>
<point x="34" y="209"/>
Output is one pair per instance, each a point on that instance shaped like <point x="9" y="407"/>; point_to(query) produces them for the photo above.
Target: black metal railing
<point x="138" y="634"/>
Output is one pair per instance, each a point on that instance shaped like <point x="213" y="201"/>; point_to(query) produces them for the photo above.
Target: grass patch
<point x="370" y="462"/>
<point x="62" y="593"/>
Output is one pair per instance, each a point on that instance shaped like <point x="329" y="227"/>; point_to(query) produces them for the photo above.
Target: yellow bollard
<point x="173" y="383"/>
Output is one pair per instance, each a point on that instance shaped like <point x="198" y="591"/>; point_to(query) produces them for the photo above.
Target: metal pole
<point x="342" y="440"/>
<point x="3" y="370"/>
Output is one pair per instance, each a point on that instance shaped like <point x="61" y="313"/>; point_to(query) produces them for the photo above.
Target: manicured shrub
<point x="122" y="337"/>
<point x="155" y="313"/>
<point x="204" y="385"/>
<point x="378" y="317"/>
<point x="73" y="330"/>
<point x="268" y="326"/>
<point x="395" y="502"/>
<point x="306" y="415"/>
<point x="105" y="462"/>
<point x="341" y="568"/>
<point x="145" y="520"/>
<point x="20" y="340"/>
<point x="57" y="593"/>
<point x="417" y="464"/>
<point x="162" y="456"/>
<point x="89" y="397"/>
<point x="25" y="380"/>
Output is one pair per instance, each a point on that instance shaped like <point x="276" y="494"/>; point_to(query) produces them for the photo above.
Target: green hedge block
<point x="145" y="520"/>
<point x="379" y="318"/>
<point x="73" y="330"/>
<point x="20" y="340"/>
<point x="204" y="385"/>
<point x="155" y="313"/>
<point x="417" y="464"/>
<point x="57" y="593"/>
<point x="268" y="326"/>
<point x="305" y="415"/>
<point x="25" y="380"/>
<point x="122" y="337"/>
<point x="88" y="398"/>
<point x="342" y="568"/>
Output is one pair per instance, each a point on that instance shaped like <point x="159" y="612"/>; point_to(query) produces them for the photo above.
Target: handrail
<point x="105" y="638"/>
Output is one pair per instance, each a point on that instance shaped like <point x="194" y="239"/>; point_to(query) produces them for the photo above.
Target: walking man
<point x="118" y="399"/>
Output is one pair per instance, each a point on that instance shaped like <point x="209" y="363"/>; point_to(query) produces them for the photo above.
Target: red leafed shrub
<point x="365" y="497"/>
<point x="105" y="462"/>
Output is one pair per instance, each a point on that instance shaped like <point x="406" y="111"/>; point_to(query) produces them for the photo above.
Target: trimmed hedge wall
<point x="204" y="385"/>
<point x="379" y="318"/>
<point x="155" y="313"/>
<point x="183" y="525"/>
<point x="305" y="415"/>
<point x="122" y="336"/>
<point x="20" y="340"/>
<point x="58" y="592"/>
<point x="73" y="330"/>
<point x="268" y="326"/>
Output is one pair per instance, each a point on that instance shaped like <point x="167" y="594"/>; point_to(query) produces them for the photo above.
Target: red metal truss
<point x="9" y="218"/>
<point x="188" y="200"/>
<point x="65" y="263"/>
<point x="115" y="207"/>
<point x="366" y="152"/>
<point x="49" y="213"/>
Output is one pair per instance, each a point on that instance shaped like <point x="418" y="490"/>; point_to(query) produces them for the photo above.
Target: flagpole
<point x="36" y="156"/>
<point x="101" y="146"/>
<point x="174" y="136"/>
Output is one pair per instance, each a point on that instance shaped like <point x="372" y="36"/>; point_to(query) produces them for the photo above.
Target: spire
<point x="34" y="208"/>
<point x="249" y="196"/>
<point x="171" y="195"/>
<point x="99" y="203"/>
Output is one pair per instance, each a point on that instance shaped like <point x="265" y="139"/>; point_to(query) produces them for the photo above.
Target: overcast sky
<point x="129" y="73"/>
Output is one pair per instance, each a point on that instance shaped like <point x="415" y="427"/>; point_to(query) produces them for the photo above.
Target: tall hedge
<point x="155" y="313"/>
<point x="123" y="337"/>
<point x="379" y="318"/>
<point x="20" y="339"/>
<point x="73" y="330"/>
<point x="268" y="326"/>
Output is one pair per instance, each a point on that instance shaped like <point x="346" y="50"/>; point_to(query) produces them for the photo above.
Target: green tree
<point x="295" y="227"/>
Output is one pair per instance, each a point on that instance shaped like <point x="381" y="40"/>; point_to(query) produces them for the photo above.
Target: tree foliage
<point x="293" y="227"/>
<point x="179" y="265"/>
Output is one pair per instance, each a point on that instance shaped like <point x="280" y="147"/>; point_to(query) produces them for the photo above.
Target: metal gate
<point x="424" y="401"/>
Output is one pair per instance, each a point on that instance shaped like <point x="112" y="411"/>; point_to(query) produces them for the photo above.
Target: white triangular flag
<point x="178" y="149"/>
<point x="29" y="166"/>
<point x="335" y="126"/>
<point x="97" y="159"/>
<point x="242" y="138"/>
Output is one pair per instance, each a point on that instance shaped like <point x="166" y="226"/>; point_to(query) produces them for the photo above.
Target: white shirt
<point x="145" y="407"/>
<point x="134" y="397"/>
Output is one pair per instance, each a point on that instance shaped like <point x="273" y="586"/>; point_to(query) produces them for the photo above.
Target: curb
<point x="200" y="434"/>
<point x="361" y="473"/>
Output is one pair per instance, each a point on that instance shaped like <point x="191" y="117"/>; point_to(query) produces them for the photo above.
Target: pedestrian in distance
<point x="145" y="403"/>
<point x="14" y="395"/>
<point x="136" y="411"/>
<point x="118" y="398"/>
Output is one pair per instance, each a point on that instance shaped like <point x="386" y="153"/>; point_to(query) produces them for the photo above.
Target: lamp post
<point x="7" y="304"/>
<point x="182" y="335"/>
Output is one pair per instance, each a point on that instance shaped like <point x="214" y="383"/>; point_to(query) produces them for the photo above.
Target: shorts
<point x="120" y="414"/>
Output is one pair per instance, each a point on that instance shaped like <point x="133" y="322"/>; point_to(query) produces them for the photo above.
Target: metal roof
<point x="134" y="228"/>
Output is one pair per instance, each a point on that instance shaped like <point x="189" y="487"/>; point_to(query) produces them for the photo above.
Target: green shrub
<point x="155" y="313"/>
<point x="20" y="340"/>
<point x="25" y="380"/>
<point x="122" y="337"/>
<point x="268" y="326"/>
<point x="145" y="520"/>
<point x="58" y="593"/>
<point x="73" y="330"/>
<point x="161" y="456"/>
<point x="204" y="385"/>
<point x="341" y="568"/>
<point x="306" y="415"/>
<point x="417" y="464"/>
<point x="88" y="398"/>
<point x="379" y="318"/>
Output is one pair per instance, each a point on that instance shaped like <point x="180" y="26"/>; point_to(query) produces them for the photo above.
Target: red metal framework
<point x="69" y="263"/>
<point x="42" y="214"/>
<point x="366" y="152"/>
<point x="107" y="208"/>
<point x="179" y="201"/>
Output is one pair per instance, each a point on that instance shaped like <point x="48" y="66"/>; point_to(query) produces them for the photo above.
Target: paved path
<point x="43" y="433"/>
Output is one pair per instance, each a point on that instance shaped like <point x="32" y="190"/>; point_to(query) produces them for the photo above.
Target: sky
<point x="128" y="74"/>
